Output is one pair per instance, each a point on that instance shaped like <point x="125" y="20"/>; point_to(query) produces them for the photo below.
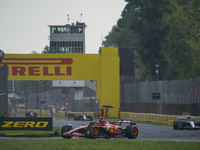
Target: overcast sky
<point x="24" y="23"/>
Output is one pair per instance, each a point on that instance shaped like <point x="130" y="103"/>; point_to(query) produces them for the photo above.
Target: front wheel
<point x="131" y="132"/>
<point x="66" y="128"/>
<point x="196" y="123"/>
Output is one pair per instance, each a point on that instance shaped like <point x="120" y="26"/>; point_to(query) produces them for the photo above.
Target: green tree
<point x="147" y="23"/>
<point x="110" y="38"/>
<point x="181" y="47"/>
<point x="46" y="50"/>
<point x="163" y="31"/>
<point x="126" y="38"/>
<point x="120" y="34"/>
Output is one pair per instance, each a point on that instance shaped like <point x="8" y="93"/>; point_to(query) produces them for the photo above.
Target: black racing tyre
<point x="94" y="131"/>
<point x="76" y="118"/>
<point x="67" y="136"/>
<point x="66" y="128"/>
<point x="131" y="132"/>
<point x="196" y="123"/>
<point x="90" y="117"/>
<point x="175" y="125"/>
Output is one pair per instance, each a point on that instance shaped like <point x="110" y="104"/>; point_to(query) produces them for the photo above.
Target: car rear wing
<point x="125" y="121"/>
<point x="188" y="118"/>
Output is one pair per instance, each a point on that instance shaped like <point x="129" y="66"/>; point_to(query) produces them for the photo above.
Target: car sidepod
<point x="180" y="125"/>
<point x="192" y="125"/>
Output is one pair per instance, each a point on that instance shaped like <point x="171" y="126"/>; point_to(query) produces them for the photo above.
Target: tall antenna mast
<point x="81" y="17"/>
<point x="67" y="18"/>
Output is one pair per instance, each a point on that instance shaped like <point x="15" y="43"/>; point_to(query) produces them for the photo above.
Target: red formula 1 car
<point x="101" y="129"/>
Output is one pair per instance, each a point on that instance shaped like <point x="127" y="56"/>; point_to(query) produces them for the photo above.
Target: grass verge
<point x="96" y="144"/>
<point x="30" y="132"/>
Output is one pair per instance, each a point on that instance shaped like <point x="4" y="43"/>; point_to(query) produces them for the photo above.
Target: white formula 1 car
<point x="186" y="123"/>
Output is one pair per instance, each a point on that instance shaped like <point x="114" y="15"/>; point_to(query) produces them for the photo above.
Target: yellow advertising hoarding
<point x="104" y="68"/>
<point x="53" y="66"/>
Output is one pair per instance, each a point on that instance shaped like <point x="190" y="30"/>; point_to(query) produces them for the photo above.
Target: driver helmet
<point x="100" y="119"/>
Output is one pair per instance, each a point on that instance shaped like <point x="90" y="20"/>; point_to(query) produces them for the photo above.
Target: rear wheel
<point x="90" y="117"/>
<point x="196" y="123"/>
<point x="131" y="132"/>
<point x="66" y="128"/>
<point x="94" y="131"/>
<point x="175" y="125"/>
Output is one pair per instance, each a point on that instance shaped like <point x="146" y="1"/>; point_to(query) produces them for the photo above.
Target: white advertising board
<point x="68" y="83"/>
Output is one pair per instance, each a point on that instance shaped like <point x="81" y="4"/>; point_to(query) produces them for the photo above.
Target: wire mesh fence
<point x="86" y="105"/>
<point x="177" y="97"/>
<point x="54" y="99"/>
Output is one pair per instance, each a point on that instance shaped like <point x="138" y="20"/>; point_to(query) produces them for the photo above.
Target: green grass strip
<point x="96" y="145"/>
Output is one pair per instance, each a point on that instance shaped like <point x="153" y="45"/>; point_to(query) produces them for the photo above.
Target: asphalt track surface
<point x="146" y="132"/>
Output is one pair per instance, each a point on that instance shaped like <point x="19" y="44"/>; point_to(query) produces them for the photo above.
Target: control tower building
<point x="70" y="38"/>
<point x="67" y="38"/>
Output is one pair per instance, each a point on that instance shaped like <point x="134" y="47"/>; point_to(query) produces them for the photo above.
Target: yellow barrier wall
<point x="152" y="117"/>
<point x="124" y="115"/>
